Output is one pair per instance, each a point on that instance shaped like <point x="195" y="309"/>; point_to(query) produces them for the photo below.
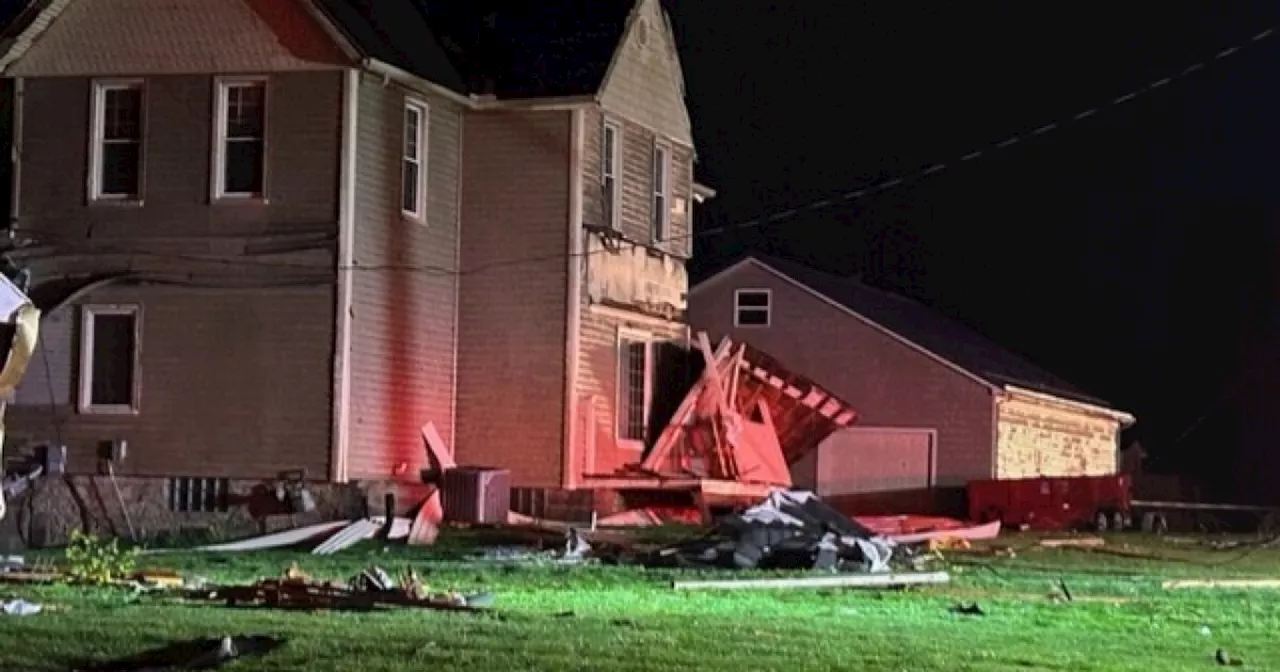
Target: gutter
<point x="485" y="102"/>
<point x="573" y="318"/>
<point x="405" y="78"/>
<point x="341" y="440"/>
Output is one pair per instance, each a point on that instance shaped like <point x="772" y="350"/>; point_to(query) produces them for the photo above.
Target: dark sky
<point x="1128" y="252"/>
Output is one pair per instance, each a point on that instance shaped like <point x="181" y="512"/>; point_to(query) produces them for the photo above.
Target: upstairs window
<point x="661" y="192"/>
<point x="635" y="384"/>
<point x="109" y="338"/>
<point x="752" y="307"/>
<point x="240" y="145"/>
<point x="413" y="192"/>
<point x="610" y="160"/>
<point x="116" y="154"/>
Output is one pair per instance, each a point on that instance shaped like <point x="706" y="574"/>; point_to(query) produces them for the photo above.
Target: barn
<point x="940" y="404"/>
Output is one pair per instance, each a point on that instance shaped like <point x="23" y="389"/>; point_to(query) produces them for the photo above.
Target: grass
<point x="626" y="618"/>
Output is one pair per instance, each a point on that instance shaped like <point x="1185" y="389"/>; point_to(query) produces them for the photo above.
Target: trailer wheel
<point x="1155" y="523"/>
<point x="1119" y="522"/>
<point x="1100" y="522"/>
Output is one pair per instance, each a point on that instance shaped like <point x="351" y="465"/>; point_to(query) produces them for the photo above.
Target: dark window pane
<point x="245" y="118"/>
<point x="758" y="299"/>
<point x="122" y="114"/>
<point x="659" y="217"/>
<point x="111" y="372"/>
<point x="753" y="317"/>
<point x="243" y="171"/>
<point x="409" y="190"/>
<point x="412" y="133"/>
<point x="633" y="368"/>
<point x="121" y="168"/>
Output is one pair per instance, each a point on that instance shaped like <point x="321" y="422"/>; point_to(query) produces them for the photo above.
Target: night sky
<point x="1128" y="252"/>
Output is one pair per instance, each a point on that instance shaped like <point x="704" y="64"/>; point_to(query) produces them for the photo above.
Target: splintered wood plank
<point x="437" y="452"/>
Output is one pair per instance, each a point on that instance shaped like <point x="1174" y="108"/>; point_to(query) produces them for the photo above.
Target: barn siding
<point x="1041" y="438"/>
<point x="405" y="288"/>
<point x="514" y="294"/>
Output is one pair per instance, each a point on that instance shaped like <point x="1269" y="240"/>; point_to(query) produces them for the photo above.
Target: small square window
<point x="752" y="307"/>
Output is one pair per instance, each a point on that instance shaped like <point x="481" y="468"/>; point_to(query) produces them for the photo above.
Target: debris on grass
<point x="839" y="581"/>
<point x="970" y="609"/>
<point x="1220" y="583"/>
<point x="198" y="654"/>
<point x="1073" y="542"/>
<point x="20" y="607"/>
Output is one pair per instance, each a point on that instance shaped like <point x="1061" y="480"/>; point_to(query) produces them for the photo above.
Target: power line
<point x="868" y="190"/>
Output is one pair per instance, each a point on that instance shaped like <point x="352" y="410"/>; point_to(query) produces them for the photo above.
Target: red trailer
<point x="1098" y="502"/>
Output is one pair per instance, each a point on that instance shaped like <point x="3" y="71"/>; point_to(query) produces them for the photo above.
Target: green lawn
<point x="622" y="618"/>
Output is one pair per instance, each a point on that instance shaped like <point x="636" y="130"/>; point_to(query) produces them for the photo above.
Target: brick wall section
<point x="598" y="385"/>
<point x="404" y="331"/>
<point x="219" y="396"/>
<point x="889" y="383"/>
<point x="646" y="85"/>
<point x="513" y="317"/>
<point x="1040" y="438"/>
<point x="187" y="36"/>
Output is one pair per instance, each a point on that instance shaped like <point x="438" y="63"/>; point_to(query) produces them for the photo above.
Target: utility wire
<point x="870" y="189"/>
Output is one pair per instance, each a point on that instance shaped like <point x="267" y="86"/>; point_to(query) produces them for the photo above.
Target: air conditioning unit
<point x="478" y="495"/>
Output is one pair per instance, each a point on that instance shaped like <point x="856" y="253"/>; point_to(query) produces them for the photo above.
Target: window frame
<point x="97" y="139"/>
<point x="423" y="110"/>
<point x="660" y="217"/>
<point x="738" y="308"/>
<point x="84" y="401"/>
<point x="611" y="193"/>
<point x="218" y="176"/>
<point x="625" y="338"/>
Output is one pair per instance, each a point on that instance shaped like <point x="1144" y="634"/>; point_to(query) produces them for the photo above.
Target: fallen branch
<point x="844" y="581"/>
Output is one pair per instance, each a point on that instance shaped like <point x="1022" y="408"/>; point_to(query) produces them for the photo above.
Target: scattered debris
<point x="364" y="594"/>
<point x="841" y="581"/>
<point x="1225" y="658"/>
<point x="971" y="609"/>
<point x="790" y="529"/>
<point x="20" y="608"/>
<point x="1220" y="583"/>
<point x="199" y="654"/>
<point x="1073" y="542"/>
<point x="913" y="529"/>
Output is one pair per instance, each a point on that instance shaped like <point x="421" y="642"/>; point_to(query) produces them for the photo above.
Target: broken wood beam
<point x="1220" y="583"/>
<point x="890" y="580"/>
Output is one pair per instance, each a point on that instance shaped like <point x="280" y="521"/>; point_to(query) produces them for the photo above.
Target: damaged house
<point x="273" y="236"/>
<point x="939" y="404"/>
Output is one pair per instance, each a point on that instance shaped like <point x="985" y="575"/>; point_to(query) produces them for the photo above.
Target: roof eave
<point x="1125" y="419"/>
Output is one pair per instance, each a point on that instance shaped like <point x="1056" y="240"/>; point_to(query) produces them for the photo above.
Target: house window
<point x="116" y="154"/>
<point x="413" y="192"/>
<point x="109" y="338"/>
<point x="661" y="189"/>
<point x="752" y="307"/>
<point x="240" y="145"/>
<point x="635" y="371"/>
<point x="610" y="160"/>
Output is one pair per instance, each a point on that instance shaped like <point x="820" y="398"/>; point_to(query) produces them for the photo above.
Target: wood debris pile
<point x="371" y="589"/>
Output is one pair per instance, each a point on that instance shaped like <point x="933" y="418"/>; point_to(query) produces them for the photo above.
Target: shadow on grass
<point x="197" y="654"/>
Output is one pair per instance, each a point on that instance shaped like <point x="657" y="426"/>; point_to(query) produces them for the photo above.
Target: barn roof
<point x="926" y="329"/>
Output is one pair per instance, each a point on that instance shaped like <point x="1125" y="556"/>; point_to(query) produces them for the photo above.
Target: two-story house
<point x="273" y="235"/>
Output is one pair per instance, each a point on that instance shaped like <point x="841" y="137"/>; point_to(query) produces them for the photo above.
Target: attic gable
<point x="146" y="37"/>
<point x="645" y="82"/>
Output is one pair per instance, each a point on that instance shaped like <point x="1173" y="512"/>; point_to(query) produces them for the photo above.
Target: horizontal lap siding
<point x="888" y="382"/>
<point x="513" y="312"/>
<point x="405" y="289"/>
<point x="233" y="384"/>
<point x="1037" y="438"/>
<point x="237" y="345"/>
<point x="598" y="368"/>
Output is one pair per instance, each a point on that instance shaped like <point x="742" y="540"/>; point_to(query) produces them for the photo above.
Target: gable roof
<point x="504" y="48"/>
<point x="925" y="328"/>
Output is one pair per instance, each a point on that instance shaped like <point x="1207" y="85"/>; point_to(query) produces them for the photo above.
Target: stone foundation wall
<point x="46" y="515"/>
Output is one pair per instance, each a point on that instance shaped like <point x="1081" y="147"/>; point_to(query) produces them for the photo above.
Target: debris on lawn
<point x="370" y="589"/>
<point x="199" y="654"/>
<point x="1220" y="583"/>
<point x="914" y="529"/>
<point x="970" y="609"/>
<point x="1073" y="542"/>
<point x="790" y="529"/>
<point x="1225" y="658"/>
<point x="839" y="581"/>
<point x="20" y="607"/>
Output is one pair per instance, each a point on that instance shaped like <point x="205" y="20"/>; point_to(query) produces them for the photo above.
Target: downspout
<point x="15" y="158"/>
<point x="568" y="457"/>
<point x="457" y="288"/>
<point x="346" y="260"/>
